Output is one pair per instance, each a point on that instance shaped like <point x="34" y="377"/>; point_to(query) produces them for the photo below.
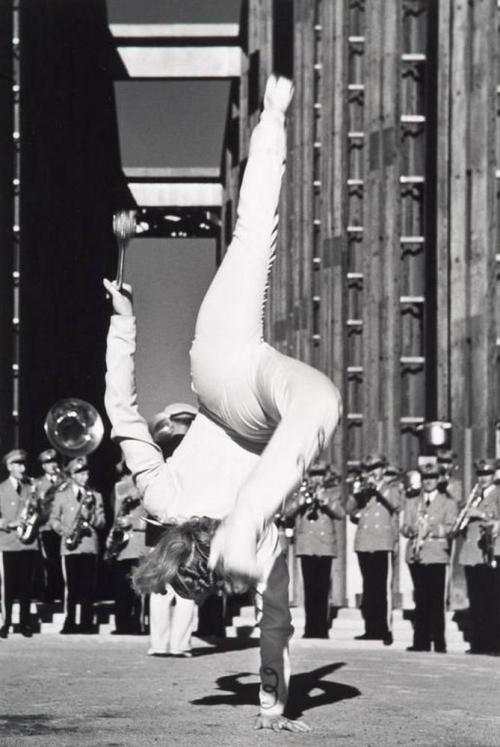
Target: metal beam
<point x="167" y="31"/>
<point x="181" y="194"/>
<point x="182" y="62"/>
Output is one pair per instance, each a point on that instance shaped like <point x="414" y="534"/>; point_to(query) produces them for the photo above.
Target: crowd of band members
<point x="431" y="513"/>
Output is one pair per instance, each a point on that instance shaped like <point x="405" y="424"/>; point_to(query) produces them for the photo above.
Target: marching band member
<point x="475" y="522"/>
<point x="17" y="559"/>
<point x="447" y="481"/>
<point x="374" y="506"/>
<point x="77" y="512"/>
<point x="315" y="509"/>
<point x="125" y="545"/>
<point x="50" y="542"/>
<point x="428" y="522"/>
<point x="263" y="418"/>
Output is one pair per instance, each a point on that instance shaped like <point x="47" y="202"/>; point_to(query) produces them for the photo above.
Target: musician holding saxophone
<point x="428" y="521"/>
<point x="125" y="545"/>
<point x="477" y="523"/>
<point x="46" y="487"/>
<point x="18" y="542"/>
<point x="77" y="512"/>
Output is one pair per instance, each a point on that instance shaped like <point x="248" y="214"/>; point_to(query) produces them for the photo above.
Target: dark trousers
<point x="80" y="576"/>
<point x="17" y="570"/>
<point x="374" y="568"/>
<point x="128" y="605"/>
<point x="53" y="582"/>
<point x="481" y="590"/>
<point x="428" y="583"/>
<point x="211" y="617"/>
<point x="316" y="574"/>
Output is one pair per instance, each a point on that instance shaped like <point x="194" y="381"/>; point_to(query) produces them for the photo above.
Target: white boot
<point x="278" y="94"/>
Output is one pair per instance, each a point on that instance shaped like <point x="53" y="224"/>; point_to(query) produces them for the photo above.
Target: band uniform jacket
<point x="11" y="505"/>
<point x="453" y="486"/>
<point x="470" y="552"/>
<point x="43" y="484"/>
<point x="378" y="528"/>
<point x="63" y="515"/>
<point x="440" y="514"/>
<point x="136" y="527"/>
<point x="317" y="536"/>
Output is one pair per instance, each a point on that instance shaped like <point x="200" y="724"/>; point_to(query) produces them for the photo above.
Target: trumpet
<point x="118" y="536"/>
<point x="29" y="518"/>
<point x="81" y="524"/>
<point x="462" y="520"/>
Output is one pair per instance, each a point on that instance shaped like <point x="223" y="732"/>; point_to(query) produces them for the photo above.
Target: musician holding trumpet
<point x="77" y="512"/>
<point x="478" y="524"/>
<point x="18" y="543"/>
<point x="428" y="521"/>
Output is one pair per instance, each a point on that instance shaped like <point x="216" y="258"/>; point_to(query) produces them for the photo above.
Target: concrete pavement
<point x="103" y="691"/>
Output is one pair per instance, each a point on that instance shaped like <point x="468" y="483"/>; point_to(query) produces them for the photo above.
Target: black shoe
<point x="68" y="629"/>
<point x="4" y="631"/>
<point x="418" y="648"/>
<point x="388" y="639"/>
<point x="26" y="631"/>
<point x="367" y="637"/>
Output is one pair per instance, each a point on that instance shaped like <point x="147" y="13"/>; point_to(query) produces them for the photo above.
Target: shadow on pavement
<point x="301" y="689"/>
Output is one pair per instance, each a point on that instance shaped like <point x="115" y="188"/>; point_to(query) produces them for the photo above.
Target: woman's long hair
<point x="180" y="558"/>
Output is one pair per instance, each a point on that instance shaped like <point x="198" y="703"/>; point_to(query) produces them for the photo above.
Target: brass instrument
<point x="413" y="483"/>
<point x="462" y="520"/>
<point x="118" y="536"/>
<point x="59" y="481"/>
<point x="29" y="518"/>
<point x="74" y="427"/>
<point x="81" y="524"/>
<point x="420" y="537"/>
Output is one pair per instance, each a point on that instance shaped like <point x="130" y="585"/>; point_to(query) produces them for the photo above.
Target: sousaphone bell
<point x="74" y="427"/>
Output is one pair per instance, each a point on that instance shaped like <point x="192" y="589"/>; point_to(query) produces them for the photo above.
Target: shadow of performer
<point x="301" y="686"/>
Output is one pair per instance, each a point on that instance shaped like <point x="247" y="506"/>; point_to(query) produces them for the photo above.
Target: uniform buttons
<point x="376" y="513"/>
<point x="365" y="526"/>
<point x="376" y="526"/>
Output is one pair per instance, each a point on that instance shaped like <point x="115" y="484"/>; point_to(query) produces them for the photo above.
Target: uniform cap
<point x="78" y="464"/>
<point x="485" y="467"/>
<point x="15" y="455"/>
<point x="318" y="467"/>
<point x="446" y="456"/>
<point x="49" y="455"/>
<point x="428" y="469"/>
<point x="373" y="461"/>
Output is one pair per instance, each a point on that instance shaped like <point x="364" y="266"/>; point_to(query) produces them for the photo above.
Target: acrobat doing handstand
<point x="262" y="419"/>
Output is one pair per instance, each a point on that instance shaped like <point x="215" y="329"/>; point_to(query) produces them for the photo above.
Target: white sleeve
<point x="129" y="429"/>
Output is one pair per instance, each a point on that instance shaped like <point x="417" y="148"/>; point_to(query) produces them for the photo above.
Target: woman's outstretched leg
<point x="230" y="316"/>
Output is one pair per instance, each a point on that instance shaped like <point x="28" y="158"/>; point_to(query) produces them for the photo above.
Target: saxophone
<point x="118" y="536"/>
<point x="29" y="518"/>
<point x="422" y="529"/>
<point x="80" y="525"/>
<point x="462" y="520"/>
